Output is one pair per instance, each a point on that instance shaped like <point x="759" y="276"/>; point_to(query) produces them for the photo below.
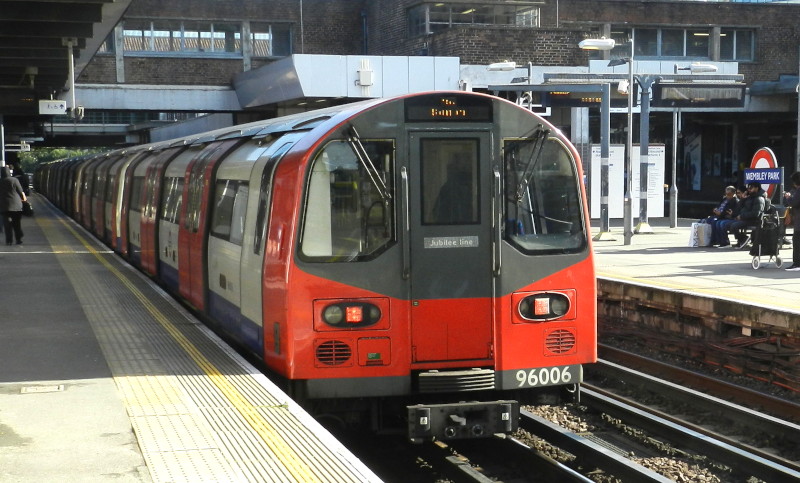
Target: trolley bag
<point x="700" y="236"/>
<point x="27" y="209"/>
<point x="766" y="237"/>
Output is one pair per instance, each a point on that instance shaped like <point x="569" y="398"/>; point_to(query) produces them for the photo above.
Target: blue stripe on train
<point x="230" y="320"/>
<point x="169" y="276"/>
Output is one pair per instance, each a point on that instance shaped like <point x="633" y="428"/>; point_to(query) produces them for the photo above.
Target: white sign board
<point x="17" y="148"/>
<point x="655" y="181"/>
<point x="52" y="107"/>
<point x="616" y="181"/>
<point x="616" y="175"/>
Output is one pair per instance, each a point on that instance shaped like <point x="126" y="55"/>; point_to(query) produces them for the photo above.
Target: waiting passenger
<point x="719" y="228"/>
<point x="750" y="214"/>
<point x="725" y="207"/>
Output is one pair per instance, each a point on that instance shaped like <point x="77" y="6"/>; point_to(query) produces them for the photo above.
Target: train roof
<point x="293" y="122"/>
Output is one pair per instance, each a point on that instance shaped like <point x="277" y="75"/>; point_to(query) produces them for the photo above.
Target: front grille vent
<point x="333" y="352"/>
<point x="456" y="381"/>
<point x="560" y="341"/>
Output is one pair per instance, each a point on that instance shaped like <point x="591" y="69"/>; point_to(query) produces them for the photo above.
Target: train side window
<point x="150" y="193"/>
<point x="265" y="196"/>
<point x="99" y="184"/>
<point x="136" y="194"/>
<point x="238" y="214"/>
<point x="110" y="187"/>
<point x="346" y="218"/>
<point x="544" y="208"/>
<point x="228" y="212"/>
<point x="172" y="196"/>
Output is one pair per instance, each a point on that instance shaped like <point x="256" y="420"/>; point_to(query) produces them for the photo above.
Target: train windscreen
<point x="543" y="200"/>
<point x="349" y="206"/>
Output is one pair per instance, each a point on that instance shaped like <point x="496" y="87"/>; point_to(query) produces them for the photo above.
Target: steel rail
<point x="746" y="416"/>
<point x="744" y="461"/>
<point x="587" y="451"/>
<point x="781" y="408"/>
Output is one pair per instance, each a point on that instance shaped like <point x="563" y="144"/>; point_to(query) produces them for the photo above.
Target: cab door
<point x="450" y="217"/>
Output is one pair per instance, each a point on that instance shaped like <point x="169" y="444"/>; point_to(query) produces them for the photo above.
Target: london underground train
<point x="426" y="255"/>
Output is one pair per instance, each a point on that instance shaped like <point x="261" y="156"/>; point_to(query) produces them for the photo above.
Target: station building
<point x="172" y="68"/>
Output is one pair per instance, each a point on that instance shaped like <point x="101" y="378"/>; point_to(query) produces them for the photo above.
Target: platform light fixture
<point x="697" y="68"/>
<point x="597" y="44"/>
<point x="504" y="66"/>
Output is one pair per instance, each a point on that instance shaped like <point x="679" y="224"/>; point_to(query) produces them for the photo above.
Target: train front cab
<point x="461" y="250"/>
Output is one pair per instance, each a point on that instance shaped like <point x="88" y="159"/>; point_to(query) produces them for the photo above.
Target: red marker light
<point x="354" y="314"/>
<point x="541" y="306"/>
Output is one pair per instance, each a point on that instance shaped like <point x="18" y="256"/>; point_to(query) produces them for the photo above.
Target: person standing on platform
<point x="792" y="200"/>
<point x="21" y="176"/>
<point x="11" y="198"/>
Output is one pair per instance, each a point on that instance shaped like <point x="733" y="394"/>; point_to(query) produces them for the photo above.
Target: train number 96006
<point x="548" y="376"/>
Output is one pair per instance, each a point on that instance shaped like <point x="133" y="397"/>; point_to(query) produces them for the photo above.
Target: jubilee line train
<point x="426" y="255"/>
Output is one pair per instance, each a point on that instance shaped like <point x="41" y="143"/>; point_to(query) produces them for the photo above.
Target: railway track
<point x="775" y="406"/>
<point x="632" y="430"/>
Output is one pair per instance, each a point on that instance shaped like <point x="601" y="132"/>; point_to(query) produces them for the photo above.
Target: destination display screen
<point x="448" y="107"/>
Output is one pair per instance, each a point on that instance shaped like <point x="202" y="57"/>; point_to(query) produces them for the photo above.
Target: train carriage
<point x="413" y="252"/>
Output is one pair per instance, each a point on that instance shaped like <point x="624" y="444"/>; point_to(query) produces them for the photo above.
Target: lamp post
<point x="627" y="207"/>
<point x="605" y="129"/>
<point x="646" y="83"/>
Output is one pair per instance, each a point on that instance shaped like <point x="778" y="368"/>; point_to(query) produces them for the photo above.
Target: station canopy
<point x="34" y="60"/>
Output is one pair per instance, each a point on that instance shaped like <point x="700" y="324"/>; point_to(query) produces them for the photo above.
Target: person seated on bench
<point x="719" y="228"/>
<point x="752" y="208"/>
<point x="725" y="207"/>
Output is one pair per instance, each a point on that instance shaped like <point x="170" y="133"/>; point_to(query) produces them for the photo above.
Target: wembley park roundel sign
<point x="764" y="159"/>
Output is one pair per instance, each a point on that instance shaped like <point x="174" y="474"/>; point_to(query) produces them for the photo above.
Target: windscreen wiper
<point x="537" y="138"/>
<point x="363" y="157"/>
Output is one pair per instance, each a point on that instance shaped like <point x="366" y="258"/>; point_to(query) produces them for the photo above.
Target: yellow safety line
<point x="297" y="467"/>
<point x="711" y="291"/>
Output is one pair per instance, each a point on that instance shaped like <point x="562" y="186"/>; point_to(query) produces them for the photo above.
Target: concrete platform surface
<point x="663" y="259"/>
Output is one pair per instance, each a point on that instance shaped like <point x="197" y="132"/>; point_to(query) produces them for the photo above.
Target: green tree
<point x="33" y="158"/>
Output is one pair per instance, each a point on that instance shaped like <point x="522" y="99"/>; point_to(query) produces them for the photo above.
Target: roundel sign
<point x="765" y="159"/>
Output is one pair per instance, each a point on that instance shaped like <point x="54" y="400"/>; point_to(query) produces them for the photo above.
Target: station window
<point x="672" y="43"/>
<point x="433" y="17"/>
<point x="182" y="36"/>
<point x="736" y="44"/>
<point x="271" y="40"/>
<point x="349" y="209"/>
<point x="107" y="47"/>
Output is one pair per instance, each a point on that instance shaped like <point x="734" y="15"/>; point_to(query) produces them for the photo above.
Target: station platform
<point x="104" y="377"/>
<point x="663" y="259"/>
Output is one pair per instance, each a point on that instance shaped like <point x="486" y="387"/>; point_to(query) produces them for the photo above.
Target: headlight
<point x="333" y="315"/>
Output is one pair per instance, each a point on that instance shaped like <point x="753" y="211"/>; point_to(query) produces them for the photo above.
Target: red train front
<point x="418" y="251"/>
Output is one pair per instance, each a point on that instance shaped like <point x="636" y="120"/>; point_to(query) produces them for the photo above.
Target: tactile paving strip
<point x="199" y="413"/>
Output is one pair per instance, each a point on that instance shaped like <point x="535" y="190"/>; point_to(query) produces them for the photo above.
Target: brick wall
<point x="388" y="35"/>
<point x="101" y="70"/>
<point x="487" y="45"/>
<point x="328" y="27"/>
<point x="335" y="27"/>
<point x="776" y="25"/>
